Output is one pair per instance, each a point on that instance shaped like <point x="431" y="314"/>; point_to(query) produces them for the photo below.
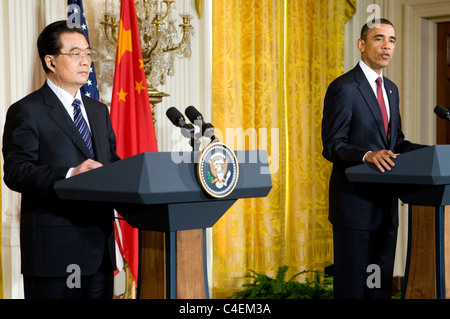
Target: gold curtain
<point x="272" y="63"/>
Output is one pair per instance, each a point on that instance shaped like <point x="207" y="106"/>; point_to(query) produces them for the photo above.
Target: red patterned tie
<point x="380" y="99"/>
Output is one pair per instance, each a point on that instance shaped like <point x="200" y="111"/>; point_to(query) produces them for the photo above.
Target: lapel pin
<point x="390" y="91"/>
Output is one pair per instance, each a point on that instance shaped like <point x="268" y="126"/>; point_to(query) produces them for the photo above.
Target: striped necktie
<point x="81" y="124"/>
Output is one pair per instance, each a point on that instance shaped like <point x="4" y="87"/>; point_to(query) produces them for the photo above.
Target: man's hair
<point x="49" y="41"/>
<point x="365" y="29"/>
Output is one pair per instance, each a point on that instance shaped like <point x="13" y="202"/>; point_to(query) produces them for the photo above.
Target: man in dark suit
<point x="361" y="123"/>
<point x="42" y="144"/>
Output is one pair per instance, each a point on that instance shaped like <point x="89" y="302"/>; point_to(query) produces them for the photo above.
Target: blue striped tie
<point x="81" y="124"/>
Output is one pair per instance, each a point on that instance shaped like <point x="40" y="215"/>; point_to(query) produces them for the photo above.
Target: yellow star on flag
<point x="139" y="86"/>
<point x="125" y="42"/>
<point x="141" y="64"/>
<point x="122" y="95"/>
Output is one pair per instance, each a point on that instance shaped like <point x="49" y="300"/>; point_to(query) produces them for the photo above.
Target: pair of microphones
<point x="187" y="129"/>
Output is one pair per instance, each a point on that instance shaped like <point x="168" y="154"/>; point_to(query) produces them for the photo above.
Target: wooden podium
<point x="421" y="179"/>
<point x="159" y="194"/>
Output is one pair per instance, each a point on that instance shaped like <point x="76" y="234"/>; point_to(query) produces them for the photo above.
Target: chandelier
<point x="159" y="38"/>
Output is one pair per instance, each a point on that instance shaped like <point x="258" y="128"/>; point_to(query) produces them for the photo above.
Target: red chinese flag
<point x="131" y="114"/>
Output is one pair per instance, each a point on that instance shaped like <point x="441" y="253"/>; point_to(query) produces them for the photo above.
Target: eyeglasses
<point x="78" y="55"/>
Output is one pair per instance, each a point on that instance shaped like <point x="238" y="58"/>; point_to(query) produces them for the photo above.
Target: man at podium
<point x="361" y="123"/>
<point x="67" y="248"/>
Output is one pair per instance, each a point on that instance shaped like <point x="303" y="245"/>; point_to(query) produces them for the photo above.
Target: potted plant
<point x="264" y="287"/>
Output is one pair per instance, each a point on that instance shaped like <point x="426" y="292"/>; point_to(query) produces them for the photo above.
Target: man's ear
<point x="361" y="45"/>
<point x="49" y="61"/>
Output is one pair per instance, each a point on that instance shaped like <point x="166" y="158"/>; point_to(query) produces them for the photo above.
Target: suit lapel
<point x="393" y="108"/>
<point x="59" y="115"/>
<point x="371" y="100"/>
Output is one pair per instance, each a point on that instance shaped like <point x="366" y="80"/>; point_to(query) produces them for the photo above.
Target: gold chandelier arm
<point x="169" y="4"/>
<point x="110" y="28"/>
<point x="186" y="28"/>
<point x="147" y="55"/>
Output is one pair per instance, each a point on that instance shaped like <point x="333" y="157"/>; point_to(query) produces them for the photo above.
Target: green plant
<point x="264" y="287"/>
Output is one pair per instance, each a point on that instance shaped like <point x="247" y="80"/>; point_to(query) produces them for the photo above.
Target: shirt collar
<point x="370" y="74"/>
<point x="65" y="97"/>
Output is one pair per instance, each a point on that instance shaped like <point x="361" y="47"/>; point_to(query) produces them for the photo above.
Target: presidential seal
<point x="218" y="170"/>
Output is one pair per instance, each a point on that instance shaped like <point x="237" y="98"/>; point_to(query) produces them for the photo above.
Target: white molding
<point x="438" y="10"/>
<point x="21" y="22"/>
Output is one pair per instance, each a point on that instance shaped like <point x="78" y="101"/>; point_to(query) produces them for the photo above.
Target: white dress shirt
<point x="372" y="76"/>
<point x="67" y="99"/>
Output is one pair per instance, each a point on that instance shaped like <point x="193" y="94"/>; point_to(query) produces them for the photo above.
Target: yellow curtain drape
<point x="272" y="63"/>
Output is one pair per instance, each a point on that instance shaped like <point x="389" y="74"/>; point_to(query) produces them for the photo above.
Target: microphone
<point x="197" y="118"/>
<point x="442" y="112"/>
<point x="187" y="130"/>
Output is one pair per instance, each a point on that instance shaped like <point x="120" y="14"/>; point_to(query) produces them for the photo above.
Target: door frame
<point x="419" y="94"/>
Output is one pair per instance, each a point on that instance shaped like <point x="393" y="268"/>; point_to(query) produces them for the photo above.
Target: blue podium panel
<point x="160" y="191"/>
<point x="421" y="177"/>
<point x="426" y="166"/>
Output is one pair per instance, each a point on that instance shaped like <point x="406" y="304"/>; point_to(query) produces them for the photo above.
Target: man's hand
<point x="381" y="159"/>
<point x="86" y="166"/>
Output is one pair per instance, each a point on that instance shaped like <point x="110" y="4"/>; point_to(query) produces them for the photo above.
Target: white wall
<point x="21" y="73"/>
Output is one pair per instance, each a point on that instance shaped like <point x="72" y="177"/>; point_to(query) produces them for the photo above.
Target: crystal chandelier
<point x="159" y="38"/>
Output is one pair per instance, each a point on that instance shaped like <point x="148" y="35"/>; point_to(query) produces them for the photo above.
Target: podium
<point x="421" y="179"/>
<point x="159" y="193"/>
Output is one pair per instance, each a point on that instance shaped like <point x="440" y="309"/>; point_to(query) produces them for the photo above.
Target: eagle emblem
<point x="218" y="170"/>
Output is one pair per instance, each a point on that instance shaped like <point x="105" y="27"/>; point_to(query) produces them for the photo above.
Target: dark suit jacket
<point x="353" y="125"/>
<point x="40" y="144"/>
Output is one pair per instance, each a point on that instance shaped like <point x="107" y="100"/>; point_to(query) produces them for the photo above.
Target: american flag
<point x="76" y="14"/>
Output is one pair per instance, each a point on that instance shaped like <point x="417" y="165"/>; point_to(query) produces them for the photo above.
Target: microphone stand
<point x="195" y="142"/>
<point x="213" y="139"/>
